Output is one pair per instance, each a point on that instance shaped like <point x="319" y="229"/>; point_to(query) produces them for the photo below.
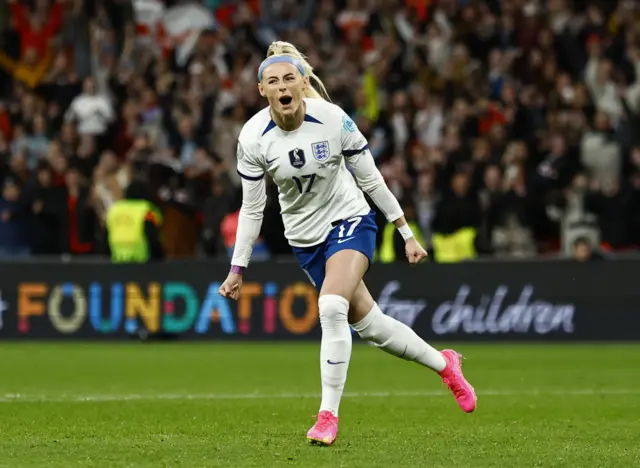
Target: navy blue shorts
<point x="357" y="233"/>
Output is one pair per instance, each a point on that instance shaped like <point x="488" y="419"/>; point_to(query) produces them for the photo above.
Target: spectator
<point x="512" y="234"/>
<point x="456" y="221"/>
<point x="558" y="167"/>
<point x="29" y="70"/>
<point x="80" y="219"/>
<point x="5" y="126"/>
<point x="133" y="224"/>
<point x="60" y="85"/>
<point x="575" y="221"/>
<point x="59" y="165"/>
<point x="37" y="143"/>
<point x="37" y="27"/>
<point x="91" y="112"/>
<point x="20" y="143"/>
<point x="215" y="208"/>
<point x="489" y="197"/>
<point x="601" y="154"/>
<point x="226" y="130"/>
<point x="583" y="252"/>
<point x="511" y="124"/>
<point x="425" y="200"/>
<point x="613" y="206"/>
<point x="13" y="239"/>
<point x="44" y="204"/>
<point x="185" y="141"/>
<point x="5" y="155"/>
<point x="109" y="183"/>
<point x="18" y="167"/>
<point x="67" y="141"/>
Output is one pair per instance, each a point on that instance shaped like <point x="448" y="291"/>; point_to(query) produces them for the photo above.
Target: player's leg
<point x="344" y="271"/>
<point x="396" y="338"/>
<point x="389" y="334"/>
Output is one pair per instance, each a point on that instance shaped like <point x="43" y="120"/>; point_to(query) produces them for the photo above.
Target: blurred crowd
<point x="517" y="118"/>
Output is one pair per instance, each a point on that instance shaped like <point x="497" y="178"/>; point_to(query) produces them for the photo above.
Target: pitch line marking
<point x="68" y="398"/>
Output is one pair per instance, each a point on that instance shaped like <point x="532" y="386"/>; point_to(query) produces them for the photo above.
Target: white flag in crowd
<point x="177" y="27"/>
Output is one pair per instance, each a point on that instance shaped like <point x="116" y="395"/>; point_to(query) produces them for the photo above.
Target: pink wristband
<point x="237" y="269"/>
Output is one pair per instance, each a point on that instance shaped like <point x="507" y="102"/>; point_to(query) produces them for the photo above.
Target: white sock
<point x="335" y="349"/>
<point x="396" y="338"/>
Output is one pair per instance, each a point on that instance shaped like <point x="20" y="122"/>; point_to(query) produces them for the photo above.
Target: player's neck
<point x="288" y="123"/>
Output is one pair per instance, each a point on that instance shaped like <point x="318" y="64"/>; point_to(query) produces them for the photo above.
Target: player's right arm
<point x="254" y="198"/>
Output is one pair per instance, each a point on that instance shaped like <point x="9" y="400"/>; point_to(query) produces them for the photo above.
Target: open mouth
<point x="286" y="100"/>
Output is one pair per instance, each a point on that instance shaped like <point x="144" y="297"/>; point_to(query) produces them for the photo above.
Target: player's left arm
<point x="355" y="150"/>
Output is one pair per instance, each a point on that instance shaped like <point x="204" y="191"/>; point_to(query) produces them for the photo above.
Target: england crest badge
<point x="320" y="150"/>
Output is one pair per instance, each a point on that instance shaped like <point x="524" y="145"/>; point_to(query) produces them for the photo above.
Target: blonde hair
<point x="317" y="89"/>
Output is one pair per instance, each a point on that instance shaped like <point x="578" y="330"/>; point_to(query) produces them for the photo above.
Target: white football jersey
<point x="308" y="165"/>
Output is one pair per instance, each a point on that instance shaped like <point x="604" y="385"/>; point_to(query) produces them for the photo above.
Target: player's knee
<point x="360" y="304"/>
<point x="333" y="309"/>
<point x="333" y="287"/>
<point x="372" y="326"/>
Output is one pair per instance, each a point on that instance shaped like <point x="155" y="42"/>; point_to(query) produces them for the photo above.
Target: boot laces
<point x="324" y="421"/>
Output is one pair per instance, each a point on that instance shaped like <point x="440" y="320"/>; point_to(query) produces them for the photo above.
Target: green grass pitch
<point x="250" y="405"/>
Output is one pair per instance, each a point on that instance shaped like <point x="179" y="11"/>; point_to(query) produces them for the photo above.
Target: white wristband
<point x="405" y="232"/>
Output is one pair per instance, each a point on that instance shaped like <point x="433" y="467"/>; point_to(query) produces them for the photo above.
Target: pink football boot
<point x="325" y="430"/>
<point x="453" y="378"/>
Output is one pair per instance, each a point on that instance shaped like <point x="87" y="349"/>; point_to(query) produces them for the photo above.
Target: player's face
<point x="283" y="86"/>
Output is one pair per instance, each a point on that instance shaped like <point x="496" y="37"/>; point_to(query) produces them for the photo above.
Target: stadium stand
<point x="507" y="127"/>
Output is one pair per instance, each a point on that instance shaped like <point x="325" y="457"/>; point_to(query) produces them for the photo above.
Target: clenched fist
<point x="414" y="251"/>
<point x="231" y="286"/>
